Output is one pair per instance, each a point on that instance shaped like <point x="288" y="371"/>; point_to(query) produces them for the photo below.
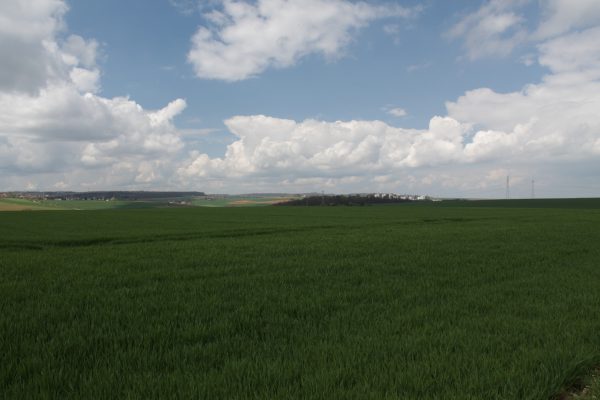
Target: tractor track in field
<point x="104" y="241"/>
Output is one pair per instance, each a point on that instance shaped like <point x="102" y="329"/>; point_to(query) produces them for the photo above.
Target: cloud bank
<point x="545" y="125"/>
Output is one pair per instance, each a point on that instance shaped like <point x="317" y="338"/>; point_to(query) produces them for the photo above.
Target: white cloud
<point x="287" y="149"/>
<point x="556" y="119"/>
<point x="76" y="50"/>
<point x="52" y="120"/>
<point x="492" y="30"/>
<point x="245" y="39"/>
<point x="550" y="126"/>
<point x="86" y="80"/>
<point x="497" y="27"/>
<point x="33" y="57"/>
<point x="561" y="16"/>
<point x="392" y="29"/>
<point x="28" y="59"/>
<point x="528" y="59"/>
<point x="576" y="53"/>
<point x="447" y="158"/>
<point x="418" y="67"/>
<point x="190" y="7"/>
<point x="62" y="129"/>
<point x="186" y="7"/>
<point x="397" y="112"/>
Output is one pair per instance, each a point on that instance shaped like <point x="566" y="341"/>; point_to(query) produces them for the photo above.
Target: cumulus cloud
<point x="311" y="148"/>
<point x="450" y="156"/>
<point x="557" y="118"/>
<point x="27" y="57"/>
<point x="84" y="130"/>
<point x="54" y="121"/>
<point x="554" y="122"/>
<point x="244" y="39"/>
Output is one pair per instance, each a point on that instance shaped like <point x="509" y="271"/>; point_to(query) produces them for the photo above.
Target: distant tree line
<point x="133" y="195"/>
<point x="344" y="200"/>
<point x="107" y="195"/>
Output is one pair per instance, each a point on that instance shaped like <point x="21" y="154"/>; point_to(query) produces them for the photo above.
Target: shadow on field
<point x="67" y="243"/>
<point x="42" y="244"/>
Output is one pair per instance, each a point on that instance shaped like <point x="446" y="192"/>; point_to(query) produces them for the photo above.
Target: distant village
<point x="356" y="199"/>
<point x="395" y="196"/>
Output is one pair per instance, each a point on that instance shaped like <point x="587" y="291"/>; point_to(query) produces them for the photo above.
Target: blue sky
<point x="145" y="45"/>
<point x="438" y="97"/>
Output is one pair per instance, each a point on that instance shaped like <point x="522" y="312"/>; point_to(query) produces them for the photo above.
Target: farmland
<point x="12" y="204"/>
<point x="241" y="201"/>
<point x="20" y="204"/>
<point x="427" y="301"/>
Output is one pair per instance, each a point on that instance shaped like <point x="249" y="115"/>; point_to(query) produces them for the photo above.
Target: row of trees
<point x="343" y="200"/>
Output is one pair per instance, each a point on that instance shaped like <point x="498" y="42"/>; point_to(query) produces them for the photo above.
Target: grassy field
<point x="21" y="205"/>
<point x="394" y="302"/>
<point x="10" y="204"/>
<point x="582" y="203"/>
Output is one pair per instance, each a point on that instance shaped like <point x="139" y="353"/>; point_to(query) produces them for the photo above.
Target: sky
<point x="436" y="97"/>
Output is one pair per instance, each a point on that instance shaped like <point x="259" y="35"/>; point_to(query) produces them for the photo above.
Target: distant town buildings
<point x="396" y="196"/>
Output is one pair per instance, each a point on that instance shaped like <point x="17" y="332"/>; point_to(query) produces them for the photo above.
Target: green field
<point x="37" y="205"/>
<point x="392" y="302"/>
<point x="583" y="203"/>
